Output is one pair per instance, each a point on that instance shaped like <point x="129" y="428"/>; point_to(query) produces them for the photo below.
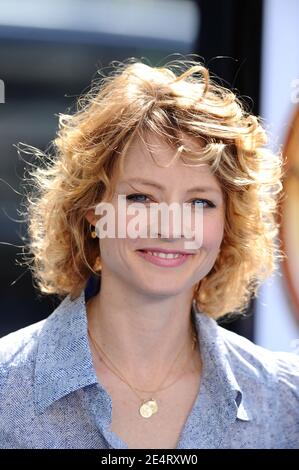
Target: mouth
<point x="164" y="258"/>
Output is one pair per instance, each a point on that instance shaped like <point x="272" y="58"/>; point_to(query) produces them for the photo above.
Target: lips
<point x="163" y="255"/>
<point x="162" y="250"/>
<point x="164" y="258"/>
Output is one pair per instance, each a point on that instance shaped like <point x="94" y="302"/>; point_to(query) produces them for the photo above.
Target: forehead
<point x="143" y="153"/>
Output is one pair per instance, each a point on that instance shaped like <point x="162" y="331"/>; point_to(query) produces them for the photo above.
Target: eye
<point x="137" y="197"/>
<point x="210" y="203"/>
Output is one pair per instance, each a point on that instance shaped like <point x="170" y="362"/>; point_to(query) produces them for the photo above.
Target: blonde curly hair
<point x="175" y="99"/>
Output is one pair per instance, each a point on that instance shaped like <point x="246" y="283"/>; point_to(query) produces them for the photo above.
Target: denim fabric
<point x="50" y="396"/>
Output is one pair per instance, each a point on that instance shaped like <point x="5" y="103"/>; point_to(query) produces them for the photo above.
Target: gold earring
<point x="93" y="233"/>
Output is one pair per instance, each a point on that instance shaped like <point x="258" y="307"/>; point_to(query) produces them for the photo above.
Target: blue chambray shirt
<point x="50" y="396"/>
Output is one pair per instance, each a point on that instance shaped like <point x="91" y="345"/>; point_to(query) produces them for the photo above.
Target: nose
<point x="170" y="231"/>
<point x="168" y="239"/>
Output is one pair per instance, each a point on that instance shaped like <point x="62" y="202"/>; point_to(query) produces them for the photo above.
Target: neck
<point x="142" y="335"/>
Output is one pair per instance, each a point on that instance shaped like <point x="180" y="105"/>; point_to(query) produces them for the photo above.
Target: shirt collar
<point x="64" y="362"/>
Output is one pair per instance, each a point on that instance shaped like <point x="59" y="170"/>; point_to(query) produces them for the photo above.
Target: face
<point x="144" y="182"/>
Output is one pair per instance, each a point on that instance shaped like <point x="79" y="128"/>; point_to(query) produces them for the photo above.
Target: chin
<point x="155" y="288"/>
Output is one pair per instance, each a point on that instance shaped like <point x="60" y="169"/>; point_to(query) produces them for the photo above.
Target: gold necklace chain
<point x="174" y="381"/>
<point x="97" y="346"/>
<point x="147" y="407"/>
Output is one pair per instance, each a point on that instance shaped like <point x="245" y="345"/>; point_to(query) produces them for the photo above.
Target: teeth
<point x="164" y="255"/>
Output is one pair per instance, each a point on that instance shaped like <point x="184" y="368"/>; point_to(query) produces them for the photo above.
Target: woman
<point x="133" y="356"/>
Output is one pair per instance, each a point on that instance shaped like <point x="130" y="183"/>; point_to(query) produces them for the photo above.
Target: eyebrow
<point x="203" y="189"/>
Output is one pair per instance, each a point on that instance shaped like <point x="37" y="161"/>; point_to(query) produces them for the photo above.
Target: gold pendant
<point x="148" y="408"/>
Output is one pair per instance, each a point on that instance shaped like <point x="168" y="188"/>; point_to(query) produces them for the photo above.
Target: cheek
<point x="113" y="252"/>
<point x="114" y="248"/>
<point x="213" y="230"/>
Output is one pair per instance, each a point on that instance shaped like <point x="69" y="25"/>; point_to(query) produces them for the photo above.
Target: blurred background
<point x="51" y="50"/>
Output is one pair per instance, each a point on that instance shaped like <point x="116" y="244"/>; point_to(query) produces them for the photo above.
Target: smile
<point x="164" y="259"/>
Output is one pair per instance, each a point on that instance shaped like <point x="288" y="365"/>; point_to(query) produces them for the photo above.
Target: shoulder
<point x="22" y="351"/>
<point x="270" y="381"/>
<point x="18" y="352"/>
<point x="257" y="361"/>
<point x="18" y="349"/>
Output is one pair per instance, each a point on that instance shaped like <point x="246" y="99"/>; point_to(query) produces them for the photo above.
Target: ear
<point x="90" y="217"/>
